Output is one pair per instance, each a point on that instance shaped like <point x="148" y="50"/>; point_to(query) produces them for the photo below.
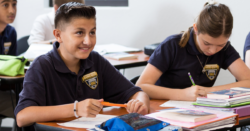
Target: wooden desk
<point x="142" y="60"/>
<point x="154" y="106"/>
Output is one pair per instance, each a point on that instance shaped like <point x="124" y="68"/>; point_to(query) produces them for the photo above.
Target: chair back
<point x="22" y="44"/>
<point x="134" y="80"/>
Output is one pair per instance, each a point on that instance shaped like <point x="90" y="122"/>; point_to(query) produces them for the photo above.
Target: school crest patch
<point x="6" y="47"/>
<point x="211" y="71"/>
<point x="91" y="80"/>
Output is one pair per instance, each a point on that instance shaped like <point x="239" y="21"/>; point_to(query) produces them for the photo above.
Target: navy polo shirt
<point x="175" y="62"/>
<point x="8" y="41"/>
<point x="246" y="46"/>
<point x="49" y="82"/>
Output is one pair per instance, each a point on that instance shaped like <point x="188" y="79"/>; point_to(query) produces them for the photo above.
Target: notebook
<point x="227" y="94"/>
<point x="241" y="110"/>
<point x="237" y="101"/>
<point x="223" y="118"/>
<point x="185" y="115"/>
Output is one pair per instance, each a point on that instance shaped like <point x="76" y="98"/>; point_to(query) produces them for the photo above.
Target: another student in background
<point x="76" y="73"/>
<point x="202" y="51"/>
<point x="246" y="53"/>
<point x="8" y="47"/>
<point x="42" y="30"/>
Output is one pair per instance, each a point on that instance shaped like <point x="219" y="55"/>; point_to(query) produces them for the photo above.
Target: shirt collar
<point x="59" y="64"/>
<point x="191" y="47"/>
<point x="51" y="16"/>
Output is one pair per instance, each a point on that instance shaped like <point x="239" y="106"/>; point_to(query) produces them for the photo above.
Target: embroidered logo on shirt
<point x="91" y="80"/>
<point x="211" y="71"/>
<point x="6" y="47"/>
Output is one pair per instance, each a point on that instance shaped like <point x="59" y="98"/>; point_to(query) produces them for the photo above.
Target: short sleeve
<point x="163" y="56"/>
<point x="33" y="93"/>
<point x="230" y="56"/>
<point x="117" y="88"/>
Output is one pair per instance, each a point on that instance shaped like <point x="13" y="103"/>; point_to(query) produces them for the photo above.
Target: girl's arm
<point x="147" y="82"/>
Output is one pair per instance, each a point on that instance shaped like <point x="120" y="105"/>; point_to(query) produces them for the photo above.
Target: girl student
<point x="201" y="50"/>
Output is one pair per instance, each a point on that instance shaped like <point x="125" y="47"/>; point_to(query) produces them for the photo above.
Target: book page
<point x="85" y="122"/>
<point x="180" y="104"/>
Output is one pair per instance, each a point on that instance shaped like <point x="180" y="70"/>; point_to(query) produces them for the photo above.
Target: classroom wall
<point x="144" y="22"/>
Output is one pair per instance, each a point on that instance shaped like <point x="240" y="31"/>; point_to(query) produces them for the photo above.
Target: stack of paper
<point x="238" y="99"/>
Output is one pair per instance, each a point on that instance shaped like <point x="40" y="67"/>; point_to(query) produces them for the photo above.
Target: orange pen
<point x="113" y="104"/>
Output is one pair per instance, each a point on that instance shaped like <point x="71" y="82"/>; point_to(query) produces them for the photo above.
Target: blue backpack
<point x="133" y="122"/>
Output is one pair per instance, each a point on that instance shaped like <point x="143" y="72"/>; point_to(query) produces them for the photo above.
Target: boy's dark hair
<point x="214" y="20"/>
<point x="67" y="11"/>
<point x="60" y="2"/>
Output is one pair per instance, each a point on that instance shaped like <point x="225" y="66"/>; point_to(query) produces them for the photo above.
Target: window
<point x="101" y="3"/>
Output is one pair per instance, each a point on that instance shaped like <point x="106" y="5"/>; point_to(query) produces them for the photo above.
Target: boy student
<point x="42" y="30"/>
<point x="72" y="80"/>
<point x="8" y="46"/>
<point x="202" y="51"/>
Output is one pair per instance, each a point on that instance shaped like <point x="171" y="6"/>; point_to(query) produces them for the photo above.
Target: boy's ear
<point x="57" y="34"/>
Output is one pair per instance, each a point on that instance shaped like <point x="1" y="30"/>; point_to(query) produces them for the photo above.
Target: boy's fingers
<point x="142" y="110"/>
<point x="138" y="104"/>
<point x="129" y="106"/>
<point x="97" y="103"/>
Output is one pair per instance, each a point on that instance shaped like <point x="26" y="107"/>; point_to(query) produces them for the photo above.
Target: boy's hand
<point x="136" y="106"/>
<point x="89" y="107"/>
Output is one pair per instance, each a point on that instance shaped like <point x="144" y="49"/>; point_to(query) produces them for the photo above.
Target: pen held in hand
<point x="191" y="78"/>
<point x="113" y="104"/>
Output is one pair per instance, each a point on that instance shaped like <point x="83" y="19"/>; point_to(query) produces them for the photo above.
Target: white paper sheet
<point x="84" y="122"/>
<point x="113" y="48"/>
<point x="179" y="104"/>
<point x="36" y="50"/>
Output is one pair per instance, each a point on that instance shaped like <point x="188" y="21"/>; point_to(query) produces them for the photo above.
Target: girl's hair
<point x="214" y="20"/>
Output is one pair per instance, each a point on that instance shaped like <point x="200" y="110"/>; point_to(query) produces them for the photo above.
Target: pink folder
<point x="240" y="110"/>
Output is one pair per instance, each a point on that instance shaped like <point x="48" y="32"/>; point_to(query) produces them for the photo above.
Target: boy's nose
<point x="87" y="40"/>
<point x="12" y="9"/>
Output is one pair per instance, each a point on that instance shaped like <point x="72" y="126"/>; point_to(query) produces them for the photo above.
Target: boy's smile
<point x="77" y="38"/>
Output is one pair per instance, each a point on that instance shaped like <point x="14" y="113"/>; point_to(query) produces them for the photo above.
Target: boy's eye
<point x="5" y="5"/>
<point x="14" y="5"/>
<point x="79" y="32"/>
<point x="92" y="33"/>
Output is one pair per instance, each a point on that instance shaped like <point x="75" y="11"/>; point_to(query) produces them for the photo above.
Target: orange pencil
<point x="113" y="104"/>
